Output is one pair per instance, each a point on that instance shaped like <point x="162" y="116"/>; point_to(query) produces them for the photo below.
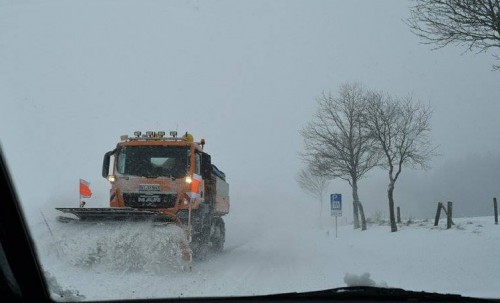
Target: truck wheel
<point x="201" y="241"/>
<point x="199" y="248"/>
<point x="219" y="236"/>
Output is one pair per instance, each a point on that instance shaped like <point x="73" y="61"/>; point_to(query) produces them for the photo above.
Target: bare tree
<point x="401" y="129"/>
<point x="337" y="144"/>
<point x="315" y="186"/>
<point x="474" y="23"/>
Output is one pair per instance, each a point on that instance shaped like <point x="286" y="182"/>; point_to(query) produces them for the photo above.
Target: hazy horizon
<point x="244" y="75"/>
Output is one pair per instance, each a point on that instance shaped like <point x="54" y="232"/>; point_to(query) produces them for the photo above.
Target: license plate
<point x="149" y="187"/>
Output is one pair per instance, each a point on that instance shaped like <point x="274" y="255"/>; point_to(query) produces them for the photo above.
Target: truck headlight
<point x="189" y="180"/>
<point x="111" y="178"/>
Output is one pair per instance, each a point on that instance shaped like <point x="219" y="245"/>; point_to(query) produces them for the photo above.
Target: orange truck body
<point x="145" y="190"/>
<point x="167" y="179"/>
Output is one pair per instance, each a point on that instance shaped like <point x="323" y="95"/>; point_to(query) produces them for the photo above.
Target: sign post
<point x="336" y="208"/>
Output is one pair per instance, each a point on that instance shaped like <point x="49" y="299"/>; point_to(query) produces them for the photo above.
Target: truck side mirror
<point x="105" y="163"/>
<point x="206" y="165"/>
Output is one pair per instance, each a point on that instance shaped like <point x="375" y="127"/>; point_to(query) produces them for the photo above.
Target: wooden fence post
<point x="449" y="215"/>
<point x="399" y="215"/>
<point x="495" y="207"/>
<point x="438" y="214"/>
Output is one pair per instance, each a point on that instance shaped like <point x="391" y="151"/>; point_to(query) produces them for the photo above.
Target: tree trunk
<point x="390" y="194"/>
<point x="362" y="213"/>
<point x="355" y="204"/>
<point x="355" y="214"/>
<point x="358" y="205"/>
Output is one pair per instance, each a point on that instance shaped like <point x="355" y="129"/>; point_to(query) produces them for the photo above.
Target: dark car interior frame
<point x="21" y="276"/>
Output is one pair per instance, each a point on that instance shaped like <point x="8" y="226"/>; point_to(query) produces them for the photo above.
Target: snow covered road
<point x="417" y="257"/>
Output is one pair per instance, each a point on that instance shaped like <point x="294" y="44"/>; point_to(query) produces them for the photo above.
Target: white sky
<point x="75" y="75"/>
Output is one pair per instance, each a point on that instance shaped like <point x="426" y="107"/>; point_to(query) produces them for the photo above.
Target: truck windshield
<point x="153" y="161"/>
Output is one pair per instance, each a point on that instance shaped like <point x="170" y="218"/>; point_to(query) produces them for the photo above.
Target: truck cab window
<point x="153" y="161"/>
<point x="122" y="157"/>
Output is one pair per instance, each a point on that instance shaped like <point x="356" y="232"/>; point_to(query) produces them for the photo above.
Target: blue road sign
<point x="336" y="205"/>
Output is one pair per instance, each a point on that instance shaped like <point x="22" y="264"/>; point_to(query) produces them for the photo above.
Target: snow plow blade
<point x="114" y="214"/>
<point x="127" y="214"/>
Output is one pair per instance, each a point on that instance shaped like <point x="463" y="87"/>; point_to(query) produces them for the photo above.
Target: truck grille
<point x="143" y="200"/>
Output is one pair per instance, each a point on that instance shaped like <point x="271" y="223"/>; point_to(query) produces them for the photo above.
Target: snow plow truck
<point x="167" y="180"/>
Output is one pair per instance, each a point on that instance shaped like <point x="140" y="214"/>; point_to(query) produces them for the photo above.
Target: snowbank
<point x="418" y="257"/>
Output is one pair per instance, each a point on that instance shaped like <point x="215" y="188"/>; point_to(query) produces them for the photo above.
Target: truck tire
<point x="200" y="249"/>
<point x="219" y="236"/>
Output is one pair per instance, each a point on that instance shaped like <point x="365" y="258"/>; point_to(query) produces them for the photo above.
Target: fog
<point x="243" y="75"/>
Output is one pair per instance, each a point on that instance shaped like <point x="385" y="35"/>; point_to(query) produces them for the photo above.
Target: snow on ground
<point x="419" y="256"/>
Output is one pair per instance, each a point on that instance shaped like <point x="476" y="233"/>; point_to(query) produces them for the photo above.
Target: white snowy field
<point x="463" y="260"/>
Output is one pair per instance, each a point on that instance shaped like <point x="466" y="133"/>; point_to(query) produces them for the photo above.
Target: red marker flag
<point x="85" y="189"/>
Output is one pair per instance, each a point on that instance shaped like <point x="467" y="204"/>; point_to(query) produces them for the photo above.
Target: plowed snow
<point x="119" y="246"/>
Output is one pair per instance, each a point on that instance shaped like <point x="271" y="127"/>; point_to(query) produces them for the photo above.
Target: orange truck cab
<point x="172" y="176"/>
